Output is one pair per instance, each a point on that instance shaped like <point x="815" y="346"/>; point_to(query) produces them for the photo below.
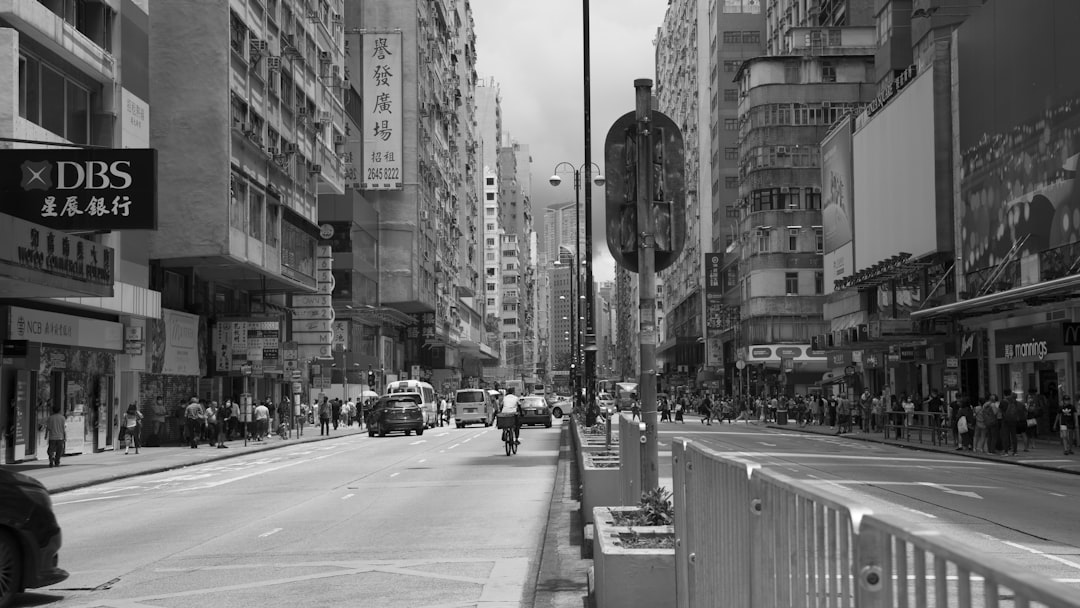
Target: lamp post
<point x="583" y="292"/>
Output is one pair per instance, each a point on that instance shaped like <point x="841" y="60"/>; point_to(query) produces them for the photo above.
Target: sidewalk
<point x="1047" y="453"/>
<point x="88" y="469"/>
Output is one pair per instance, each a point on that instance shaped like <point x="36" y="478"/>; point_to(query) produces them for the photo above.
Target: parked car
<point x="535" y="410"/>
<point x="29" y="537"/>
<point x="606" y="401"/>
<point x="397" y="412"/>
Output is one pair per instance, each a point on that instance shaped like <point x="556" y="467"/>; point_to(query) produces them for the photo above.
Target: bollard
<point x="607" y="427"/>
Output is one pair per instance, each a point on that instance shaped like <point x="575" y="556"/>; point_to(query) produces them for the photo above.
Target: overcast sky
<point x="533" y="50"/>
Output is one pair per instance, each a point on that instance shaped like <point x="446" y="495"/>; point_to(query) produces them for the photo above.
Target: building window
<point x="812" y="198"/>
<point x="763" y="235"/>
<point x="273" y="214"/>
<point x="489" y="242"/>
<point x="791" y="73"/>
<point x="490" y="181"/>
<point x="751" y="37"/>
<point x="819" y="240"/>
<point x="255" y="215"/>
<point x="731" y="154"/>
<point x="489" y="211"/>
<point x="791" y="283"/>
<point x="828" y="71"/>
<point x="732" y="37"/>
<point x="732" y="66"/>
<point x="793" y="239"/>
<point x="237" y="201"/>
<point x="731" y="94"/>
<point x="491" y="301"/>
<point x="731" y="182"/>
<point x="731" y="124"/>
<point x="489" y="196"/>
<point x="834" y="37"/>
<point x="819" y="283"/>
<point x="489" y="228"/>
<point x="49" y="99"/>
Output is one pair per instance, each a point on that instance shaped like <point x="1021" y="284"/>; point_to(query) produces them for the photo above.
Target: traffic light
<point x="371" y="378"/>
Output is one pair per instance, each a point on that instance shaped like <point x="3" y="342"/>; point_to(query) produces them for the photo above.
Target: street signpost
<point x="646" y="229"/>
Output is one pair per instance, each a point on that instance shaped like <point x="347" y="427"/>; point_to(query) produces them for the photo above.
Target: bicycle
<point x="506" y="423"/>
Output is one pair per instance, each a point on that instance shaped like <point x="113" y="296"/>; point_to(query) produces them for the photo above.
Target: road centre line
<point x="395" y="474"/>
<point x="347" y="496"/>
<point x="271" y="532"/>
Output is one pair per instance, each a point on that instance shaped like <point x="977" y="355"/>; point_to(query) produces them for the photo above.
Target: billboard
<point x="894" y="178"/>
<point x="381" y="77"/>
<point x="1019" y="128"/>
<point x="837" y="186"/>
<point x="81" y="190"/>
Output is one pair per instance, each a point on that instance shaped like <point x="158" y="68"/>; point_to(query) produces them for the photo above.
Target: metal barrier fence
<point x="917" y="424"/>
<point x="747" y="537"/>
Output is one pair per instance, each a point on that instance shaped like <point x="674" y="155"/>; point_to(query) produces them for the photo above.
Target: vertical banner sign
<point x="381" y="167"/>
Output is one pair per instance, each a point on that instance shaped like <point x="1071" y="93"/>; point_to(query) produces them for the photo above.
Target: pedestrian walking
<point x="56" y="435"/>
<point x="325" y="411"/>
<point x="132" y="428"/>
<point x="262" y="421"/>
<point x="335" y="412"/>
<point x="1013" y="423"/>
<point x="965" y="425"/>
<point x="194" y="415"/>
<point x="212" y="423"/>
<point x="1034" y="412"/>
<point x="1065" y="424"/>
<point x="635" y="411"/>
<point x="679" y="411"/>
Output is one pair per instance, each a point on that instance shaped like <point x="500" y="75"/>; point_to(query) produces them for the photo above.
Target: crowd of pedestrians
<point x="1002" y="427"/>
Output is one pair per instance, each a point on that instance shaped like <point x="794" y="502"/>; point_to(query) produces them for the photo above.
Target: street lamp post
<point x="577" y="361"/>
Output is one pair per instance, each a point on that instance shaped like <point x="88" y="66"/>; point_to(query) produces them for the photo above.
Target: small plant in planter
<point x="655" y="509"/>
<point x="635" y="540"/>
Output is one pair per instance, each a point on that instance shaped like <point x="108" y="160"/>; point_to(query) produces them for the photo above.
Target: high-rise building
<point x="78" y="74"/>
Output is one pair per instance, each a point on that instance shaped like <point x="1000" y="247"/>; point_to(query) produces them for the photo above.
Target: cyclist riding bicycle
<point x="510" y="407"/>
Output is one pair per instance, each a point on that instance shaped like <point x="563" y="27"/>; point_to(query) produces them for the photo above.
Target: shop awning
<point x="1028" y="295"/>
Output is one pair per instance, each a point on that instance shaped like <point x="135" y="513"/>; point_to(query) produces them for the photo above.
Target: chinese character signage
<point x="83" y="190"/>
<point x="237" y="343"/>
<point x="380" y="61"/>
<point x="43" y="250"/>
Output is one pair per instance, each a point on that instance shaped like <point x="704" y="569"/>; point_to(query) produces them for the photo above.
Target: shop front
<point x="1032" y="358"/>
<point x="53" y="359"/>
<point x="787" y="368"/>
<point x="175" y="362"/>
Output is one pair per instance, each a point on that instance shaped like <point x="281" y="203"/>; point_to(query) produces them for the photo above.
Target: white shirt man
<point x="510" y="404"/>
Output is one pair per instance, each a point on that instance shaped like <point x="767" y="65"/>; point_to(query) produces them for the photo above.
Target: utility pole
<point x="646" y="226"/>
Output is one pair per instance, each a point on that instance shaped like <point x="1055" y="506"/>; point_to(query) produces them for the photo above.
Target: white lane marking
<point x="453" y="446"/>
<point x="347" y="496"/>
<point x="423" y="460"/>
<point x="274" y="531"/>
<point x="394" y="474"/>
<point x="771" y="445"/>
<point x="948" y="490"/>
<point x="110" y="497"/>
<point x="1060" y="560"/>
<point x="419" y="442"/>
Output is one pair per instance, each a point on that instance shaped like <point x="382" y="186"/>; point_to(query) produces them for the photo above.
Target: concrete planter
<point x="630" y="577"/>
<point x="599" y="483"/>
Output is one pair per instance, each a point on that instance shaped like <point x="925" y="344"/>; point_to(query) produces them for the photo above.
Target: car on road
<point x="29" y="537"/>
<point x="561" y="406"/>
<point x="607" y="404"/>
<point x="472" y="406"/>
<point x="398" y="412"/>
<point x="535" y="410"/>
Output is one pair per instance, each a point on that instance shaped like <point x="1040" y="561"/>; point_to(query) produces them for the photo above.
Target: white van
<point x="428" y="398"/>
<point x="472" y="405"/>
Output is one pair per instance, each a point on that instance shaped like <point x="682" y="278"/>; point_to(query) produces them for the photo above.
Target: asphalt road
<point x="442" y="520"/>
<point x="1025" y="515"/>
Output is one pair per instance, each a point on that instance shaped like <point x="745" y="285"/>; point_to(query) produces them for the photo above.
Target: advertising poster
<point x="173" y="344"/>
<point x="1019" y="130"/>
<point x="837" y="186"/>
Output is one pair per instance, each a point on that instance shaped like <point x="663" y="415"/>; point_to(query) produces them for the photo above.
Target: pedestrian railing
<point x="748" y="537"/>
<point x="924" y="427"/>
